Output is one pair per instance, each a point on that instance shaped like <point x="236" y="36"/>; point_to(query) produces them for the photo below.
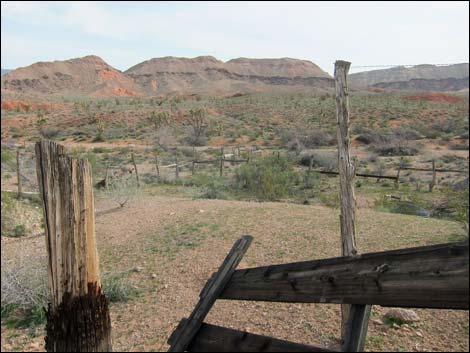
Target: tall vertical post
<point x="433" y="181"/>
<point x="156" y="166"/>
<point x="78" y="315"/>
<point x="194" y="160"/>
<point x="18" y="174"/>
<point x="177" y="172"/>
<point x="135" y="168"/>
<point x="221" y="161"/>
<point x="354" y="318"/>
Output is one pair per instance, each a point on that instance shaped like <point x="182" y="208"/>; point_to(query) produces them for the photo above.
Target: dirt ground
<point x="178" y="242"/>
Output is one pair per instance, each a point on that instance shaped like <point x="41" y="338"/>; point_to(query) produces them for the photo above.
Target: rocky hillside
<point x="89" y="75"/>
<point x="4" y="71"/>
<point x="420" y="77"/>
<point x="206" y="74"/>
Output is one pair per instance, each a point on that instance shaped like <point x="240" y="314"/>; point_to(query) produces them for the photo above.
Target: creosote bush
<point x="267" y="178"/>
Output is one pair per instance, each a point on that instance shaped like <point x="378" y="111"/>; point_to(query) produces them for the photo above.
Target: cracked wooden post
<point x="135" y="168"/>
<point x="433" y="181"/>
<point x="194" y="159"/>
<point x="156" y="166"/>
<point x="18" y="174"/>
<point x="177" y="172"/>
<point x="354" y="318"/>
<point x="78" y="316"/>
<point x="221" y="161"/>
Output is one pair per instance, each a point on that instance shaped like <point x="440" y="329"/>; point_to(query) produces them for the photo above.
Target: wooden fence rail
<point x="440" y="170"/>
<point x="357" y="174"/>
<point x="433" y="276"/>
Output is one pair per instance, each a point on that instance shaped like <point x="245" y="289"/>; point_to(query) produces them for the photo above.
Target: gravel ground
<point x="178" y="242"/>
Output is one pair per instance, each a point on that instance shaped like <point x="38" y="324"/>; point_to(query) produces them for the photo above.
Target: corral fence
<point x="423" y="277"/>
<point x="78" y="316"/>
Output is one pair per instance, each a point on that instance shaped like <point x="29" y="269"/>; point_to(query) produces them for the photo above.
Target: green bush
<point x="25" y="292"/>
<point x="116" y="289"/>
<point x="210" y="186"/>
<point x="268" y="178"/>
<point x="20" y="230"/>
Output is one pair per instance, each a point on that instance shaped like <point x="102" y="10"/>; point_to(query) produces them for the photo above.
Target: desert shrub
<point x="396" y="148"/>
<point x="7" y="206"/>
<point x="20" y="230"/>
<point x="457" y="198"/>
<point x="24" y="292"/>
<point x="326" y="160"/>
<point x="268" y="178"/>
<point x="49" y="132"/>
<point x="186" y="151"/>
<point x="318" y="138"/>
<point x="210" y="186"/>
<point x="371" y="137"/>
<point x="116" y="288"/>
<point x="413" y="206"/>
<point x="121" y="190"/>
<point x="7" y="158"/>
<point x="459" y="146"/>
<point x="330" y="199"/>
<point x="373" y="158"/>
<point x="407" y="133"/>
<point x="451" y="158"/>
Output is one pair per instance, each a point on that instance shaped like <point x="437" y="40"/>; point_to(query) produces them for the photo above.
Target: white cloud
<point x="363" y="32"/>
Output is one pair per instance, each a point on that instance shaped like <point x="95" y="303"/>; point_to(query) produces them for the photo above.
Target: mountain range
<point x="92" y="76"/>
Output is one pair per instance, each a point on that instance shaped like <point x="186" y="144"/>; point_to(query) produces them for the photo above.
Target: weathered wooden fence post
<point x="397" y="181"/>
<point x="135" y="168"/>
<point x="18" y="174"/>
<point x="194" y="160"/>
<point x="156" y="166"/>
<point x="78" y="316"/>
<point x="177" y="172"/>
<point x="221" y="161"/>
<point x="433" y="181"/>
<point x="354" y="318"/>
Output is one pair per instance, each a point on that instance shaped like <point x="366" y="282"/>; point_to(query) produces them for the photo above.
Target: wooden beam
<point x="78" y="317"/>
<point x="207" y="161"/>
<point x="212" y="338"/>
<point x="183" y="336"/>
<point x="235" y="160"/>
<point x="424" y="277"/>
<point x="440" y="170"/>
<point x="358" y="174"/>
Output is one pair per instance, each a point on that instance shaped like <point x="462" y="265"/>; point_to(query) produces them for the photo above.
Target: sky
<point x="127" y="33"/>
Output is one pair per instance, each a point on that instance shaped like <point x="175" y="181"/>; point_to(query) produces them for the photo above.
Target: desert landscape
<point x="170" y="225"/>
<point x="188" y="154"/>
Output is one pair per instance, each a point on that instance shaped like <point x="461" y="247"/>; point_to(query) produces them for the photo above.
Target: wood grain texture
<point x="424" y="277"/>
<point x="77" y="306"/>
<point x="212" y="338"/>
<point x="347" y="173"/>
<point x="184" y="334"/>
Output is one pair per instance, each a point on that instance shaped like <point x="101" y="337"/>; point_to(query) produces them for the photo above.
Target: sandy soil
<point x="143" y="233"/>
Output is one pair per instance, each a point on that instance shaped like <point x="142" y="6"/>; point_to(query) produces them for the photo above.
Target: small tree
<point x="41" y="120"/>
<point x="158" y="120"/>
<point x="458" y="200"/>
<point x="198" y="122"/>
<point x="121" y="190"/>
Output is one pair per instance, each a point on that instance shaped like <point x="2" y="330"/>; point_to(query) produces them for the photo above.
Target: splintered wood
<point x="67" y="193"/>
